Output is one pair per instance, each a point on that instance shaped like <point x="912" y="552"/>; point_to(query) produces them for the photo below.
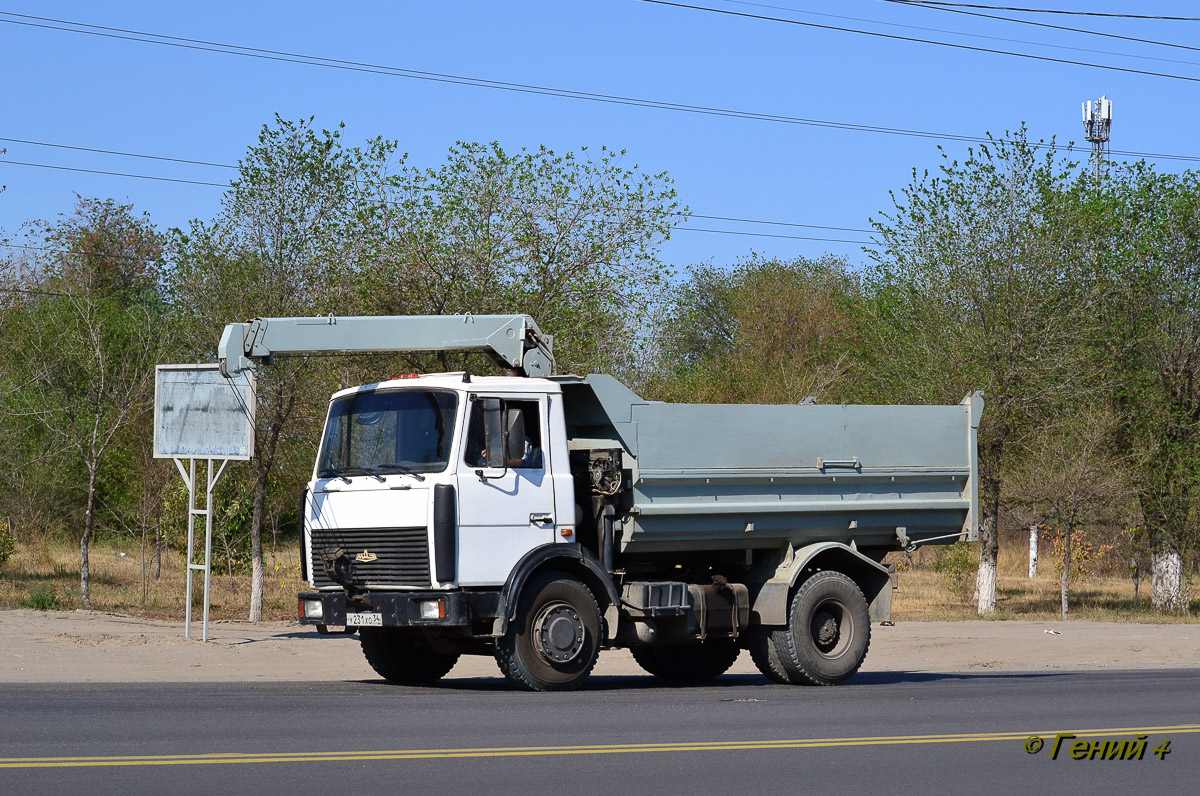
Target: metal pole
<point x="189" y="478"/>
<point x="213" y="477"/>
<point x="208" y="546"/>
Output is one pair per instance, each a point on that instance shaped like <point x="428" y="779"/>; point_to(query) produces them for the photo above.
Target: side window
<point x="530" y="449"/>
<point x="532" y="457"/>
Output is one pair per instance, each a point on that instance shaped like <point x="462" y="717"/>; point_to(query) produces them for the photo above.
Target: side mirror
<point x="494" y="432"/>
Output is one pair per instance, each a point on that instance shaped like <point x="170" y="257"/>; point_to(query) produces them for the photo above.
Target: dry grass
<point x="927" y="595"/>
<point x="116" y="583"/>
<point x="116" y="586"/>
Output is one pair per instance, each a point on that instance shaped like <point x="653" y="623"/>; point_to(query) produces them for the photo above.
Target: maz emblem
<point x="366" y="556"/>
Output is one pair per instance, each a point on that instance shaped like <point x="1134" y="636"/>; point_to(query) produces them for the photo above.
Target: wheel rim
<point x="831" y="627"/>
<point x="558" y="632"/>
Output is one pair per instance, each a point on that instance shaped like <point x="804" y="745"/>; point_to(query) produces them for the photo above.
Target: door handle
<point x="541" y="519"/>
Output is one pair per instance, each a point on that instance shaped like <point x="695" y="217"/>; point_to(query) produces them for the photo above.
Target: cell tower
<point x="1097" y="121"/>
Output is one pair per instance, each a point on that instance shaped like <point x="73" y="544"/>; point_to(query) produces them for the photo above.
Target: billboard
<point x="200" y="414"/>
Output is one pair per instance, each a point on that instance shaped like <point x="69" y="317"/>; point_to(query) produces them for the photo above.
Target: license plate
<point x="364" y="620"/>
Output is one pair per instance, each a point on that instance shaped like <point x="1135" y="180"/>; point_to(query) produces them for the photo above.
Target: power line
<point x="914" y="40"/>
<point x="73" y="251"/>
<point x="114" y="173"/>
<point x="115" y="152"/>
<point x="1069" y="29"/>
<point x="962" y="33"/>
<point x="355" y="66"/>
<point x="681" y="227"/>
<point x="1057" y="11"/>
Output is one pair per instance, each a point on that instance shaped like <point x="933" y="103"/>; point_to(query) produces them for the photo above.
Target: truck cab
<point x="496" y="444"/>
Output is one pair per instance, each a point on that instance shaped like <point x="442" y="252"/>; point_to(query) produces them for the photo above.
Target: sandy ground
<point x="83" y="646"/>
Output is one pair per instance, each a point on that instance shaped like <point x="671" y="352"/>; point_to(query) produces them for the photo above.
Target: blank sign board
<point x="200" y="414"/>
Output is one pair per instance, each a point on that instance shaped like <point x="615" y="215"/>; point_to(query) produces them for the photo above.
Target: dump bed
<point x="711" y="476"/>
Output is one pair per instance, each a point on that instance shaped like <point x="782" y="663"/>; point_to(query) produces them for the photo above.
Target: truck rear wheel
<point x="689" y="662"/>
<point x="767" y="656"/>
<point x="828" y="632"/>
<point x="403" y="657"/>
<point x="554" y="641"/>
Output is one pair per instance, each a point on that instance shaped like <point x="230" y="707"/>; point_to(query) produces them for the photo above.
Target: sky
<point x="116" y="92"/>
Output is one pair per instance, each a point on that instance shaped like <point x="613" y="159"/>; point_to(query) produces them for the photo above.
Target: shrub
<point x="957" y="565"/>
<point x="42" y="597"/>
<point x="8" y="544"/>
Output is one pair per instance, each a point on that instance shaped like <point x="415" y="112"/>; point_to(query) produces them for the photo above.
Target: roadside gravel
<point x="86" y="646"/>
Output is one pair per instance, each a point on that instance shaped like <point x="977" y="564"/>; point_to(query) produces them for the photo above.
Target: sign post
<point x="200" y="414"/>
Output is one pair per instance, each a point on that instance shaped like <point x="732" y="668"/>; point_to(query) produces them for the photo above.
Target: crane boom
<point x="514" y="341"/>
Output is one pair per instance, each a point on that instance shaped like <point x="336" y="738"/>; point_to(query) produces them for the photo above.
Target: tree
<point x="283" y="244"/>
<point x="1146" y="228"/>
<point x="976" y="286"/>
<point x="1070" y="478"/>
<point x="763" y="331"/>
<point x="572" y="240"/>
<point x="85" y="350"/>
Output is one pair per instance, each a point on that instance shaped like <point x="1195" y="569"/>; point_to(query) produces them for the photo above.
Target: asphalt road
<point x="880" y="733"/>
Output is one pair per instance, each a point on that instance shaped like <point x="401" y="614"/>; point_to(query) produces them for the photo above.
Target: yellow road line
<point x="222" y="758"/>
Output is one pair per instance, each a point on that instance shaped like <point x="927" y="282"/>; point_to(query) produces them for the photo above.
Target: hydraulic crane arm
<point x="514" y="341"/>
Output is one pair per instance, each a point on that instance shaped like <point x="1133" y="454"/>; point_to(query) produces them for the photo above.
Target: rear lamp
<point x="312" y="609"/>
<point x="433" y="609"/>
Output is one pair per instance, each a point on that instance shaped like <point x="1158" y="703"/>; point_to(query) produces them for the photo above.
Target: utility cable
<point x="915" y="40"/>
<point x="929" y="7"/>
<point x="1057" y="11"/>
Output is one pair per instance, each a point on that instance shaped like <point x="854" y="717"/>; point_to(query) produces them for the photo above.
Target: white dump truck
<point x="542" y="518"/>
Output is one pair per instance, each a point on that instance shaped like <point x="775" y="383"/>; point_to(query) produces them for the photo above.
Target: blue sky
<point x="81" y="90"/>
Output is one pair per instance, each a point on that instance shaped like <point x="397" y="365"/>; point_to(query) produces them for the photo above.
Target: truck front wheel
<point x="553" y="642"/>
<point x="828" y="632"/>
<point x="404" y="658"/>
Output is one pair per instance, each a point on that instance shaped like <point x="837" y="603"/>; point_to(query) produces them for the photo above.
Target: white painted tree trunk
<point x="985" y="586"/>
<point x="1166" y="580"/>
<point x="1033" y="550"/>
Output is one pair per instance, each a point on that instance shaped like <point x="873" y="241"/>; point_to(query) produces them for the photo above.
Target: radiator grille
<point x="402" y="555"/>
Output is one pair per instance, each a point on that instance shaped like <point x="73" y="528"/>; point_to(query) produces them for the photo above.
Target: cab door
<point x="507" y="509"/>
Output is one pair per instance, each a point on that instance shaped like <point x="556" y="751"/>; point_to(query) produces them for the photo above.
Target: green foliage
<point x="42" y="597"/>
<point x="8" y="545"/>
<point x="955" y="565"/>
<point x="763" y="331"/>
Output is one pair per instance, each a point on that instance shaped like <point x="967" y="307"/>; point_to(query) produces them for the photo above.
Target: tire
<point x="646" y="658"/>
<point x="767" y="656"/>
<point x="693" y="663"/>
<point x="828" y="632"/>
<point x="554" y="641"/>
<point x="404" y="658"/>
<point x="325" y="631"/>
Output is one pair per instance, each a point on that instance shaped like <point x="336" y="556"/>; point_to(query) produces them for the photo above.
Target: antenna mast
<point x="1097" y="121"/>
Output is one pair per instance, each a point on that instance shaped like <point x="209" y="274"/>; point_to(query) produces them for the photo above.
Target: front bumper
<point x="403" y="609"/>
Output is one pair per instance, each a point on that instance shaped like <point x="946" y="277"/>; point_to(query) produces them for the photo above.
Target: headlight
<point x="312" y="609"/>
<point x="433" y="609"/>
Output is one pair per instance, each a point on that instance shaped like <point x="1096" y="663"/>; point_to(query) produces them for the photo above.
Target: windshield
<point x="375" y="433"/>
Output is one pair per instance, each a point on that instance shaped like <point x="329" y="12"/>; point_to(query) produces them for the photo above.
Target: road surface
<point x="882" y="732"/>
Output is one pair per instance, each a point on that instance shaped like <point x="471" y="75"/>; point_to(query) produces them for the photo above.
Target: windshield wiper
<point x="400" y="468"/>
<point x="342" y="473"/>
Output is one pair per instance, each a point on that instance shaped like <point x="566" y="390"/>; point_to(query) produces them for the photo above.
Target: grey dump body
<point x="719" y="477"/>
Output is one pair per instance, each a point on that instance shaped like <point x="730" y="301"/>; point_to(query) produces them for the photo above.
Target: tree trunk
<point x="89" y="515"/>
<point x="989" y="531"/>
<point x="1065" y="581"/>
<point x="989" y="550"/>
<point x="1166" y="579"/>
<point x="1033" y="550"/>
<point x="256" y="557"/>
